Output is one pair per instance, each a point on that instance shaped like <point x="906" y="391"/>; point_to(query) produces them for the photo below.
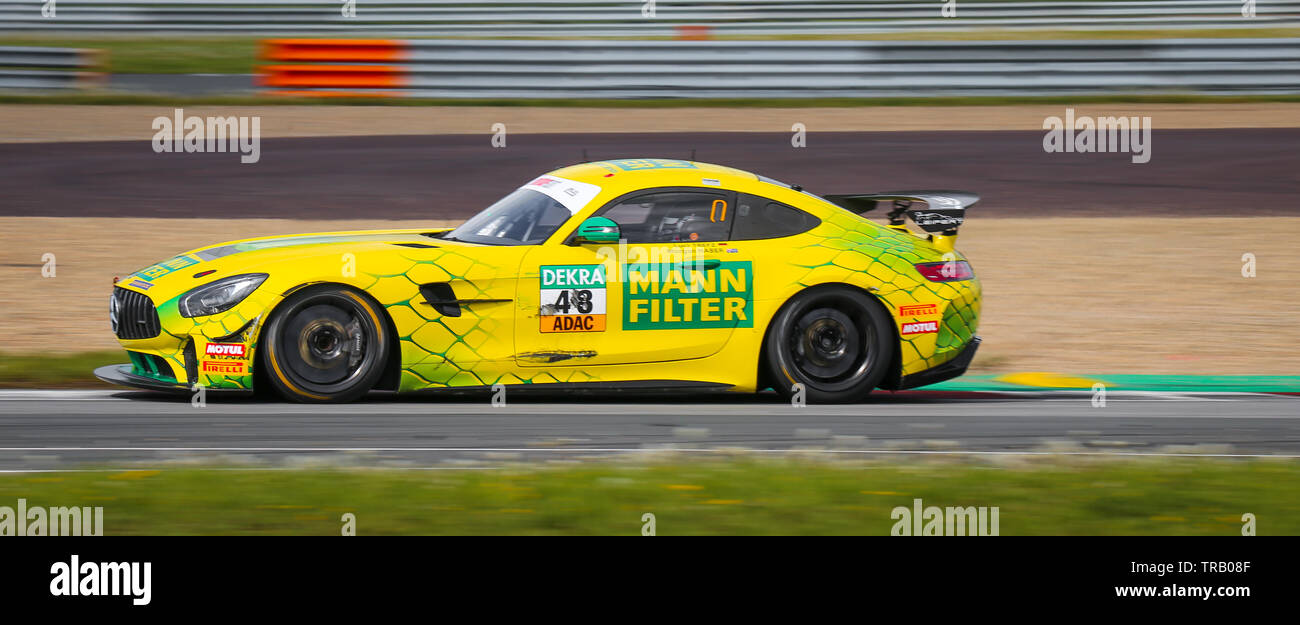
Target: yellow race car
<point x="642" y="274"/>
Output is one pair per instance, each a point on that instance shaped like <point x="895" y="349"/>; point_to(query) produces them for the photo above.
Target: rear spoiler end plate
<point x="943" y="211"/>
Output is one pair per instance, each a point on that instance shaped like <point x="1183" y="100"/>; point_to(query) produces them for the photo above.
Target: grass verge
<point x="746" y="496"/>
<point x="56" y="370"/>
<point x="158" y="55"/>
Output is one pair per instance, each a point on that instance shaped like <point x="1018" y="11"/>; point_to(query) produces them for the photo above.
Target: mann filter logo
<point x="573" y="298"/>
<point x="920" y="327"/>
<point x="918" y="310"/>
<point x="711" y="294"/>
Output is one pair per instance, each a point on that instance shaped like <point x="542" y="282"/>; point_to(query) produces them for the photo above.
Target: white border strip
<point x="163" y="469"/>
<point x="624" y="450"/>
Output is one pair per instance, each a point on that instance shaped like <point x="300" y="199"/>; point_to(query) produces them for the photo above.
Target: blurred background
<point x="1159" y="277"/>
<point x="652" y="49"/>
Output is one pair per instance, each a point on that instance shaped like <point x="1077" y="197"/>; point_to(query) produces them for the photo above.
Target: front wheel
<point x="836" y="341"/>
<point x="324" y="344"/>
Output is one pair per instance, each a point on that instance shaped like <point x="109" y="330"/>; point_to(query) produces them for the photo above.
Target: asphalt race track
<point x="1191" y="172"/>
<point x="76" y="430"/>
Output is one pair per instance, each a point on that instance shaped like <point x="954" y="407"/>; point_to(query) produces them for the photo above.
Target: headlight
<point x="219" y="296"/>
<point x="112" y="311"/>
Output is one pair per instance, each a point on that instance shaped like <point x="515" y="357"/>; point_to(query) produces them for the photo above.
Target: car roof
<point x="630" y="174"/>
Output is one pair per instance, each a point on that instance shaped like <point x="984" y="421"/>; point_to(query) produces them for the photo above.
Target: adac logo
<point x="920" y="327"/>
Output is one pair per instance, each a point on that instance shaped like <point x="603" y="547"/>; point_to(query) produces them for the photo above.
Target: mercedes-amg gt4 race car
<point x="645" y="274"/>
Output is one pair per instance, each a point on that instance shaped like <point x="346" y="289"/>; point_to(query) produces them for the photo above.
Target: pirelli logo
<point x="918" y="310"/>
<point x="226" y="368"/>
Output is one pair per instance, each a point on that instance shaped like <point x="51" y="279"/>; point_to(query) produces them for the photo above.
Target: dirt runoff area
<point x="21" y="123"/>
<point x="1069" y="295"/>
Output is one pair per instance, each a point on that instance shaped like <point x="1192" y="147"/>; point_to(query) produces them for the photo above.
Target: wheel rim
<point x="831" y="343"/>
<point x="326" y="342"/>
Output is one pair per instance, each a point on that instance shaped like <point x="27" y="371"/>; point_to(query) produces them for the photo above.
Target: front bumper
<point x="124" y="375"/>
<point x="946" y="371"/>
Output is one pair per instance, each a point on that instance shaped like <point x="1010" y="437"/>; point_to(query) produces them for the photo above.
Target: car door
<point x="673" y="289"/>
<point x="454" y="312"/>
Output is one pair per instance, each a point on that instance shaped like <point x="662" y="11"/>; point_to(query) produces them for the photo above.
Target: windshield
<point x="525" y="217"/>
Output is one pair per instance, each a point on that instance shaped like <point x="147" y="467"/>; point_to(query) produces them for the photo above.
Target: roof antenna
<point x="584" y="156"/>
<point x="692" y="153"/>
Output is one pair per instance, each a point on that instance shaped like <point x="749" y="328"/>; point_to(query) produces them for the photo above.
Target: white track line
<point x="161" y="469"/>
<point x="43" y="395"/>
<point x="728" y="450"/>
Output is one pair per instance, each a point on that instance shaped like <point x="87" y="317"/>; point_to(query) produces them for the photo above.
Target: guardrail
<point x="775" y="69"/>
<point x="28" y="68"/>
<point x="626" y="18"/>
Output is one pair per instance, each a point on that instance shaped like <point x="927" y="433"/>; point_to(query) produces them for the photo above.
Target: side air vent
<point x="441" y="297"/>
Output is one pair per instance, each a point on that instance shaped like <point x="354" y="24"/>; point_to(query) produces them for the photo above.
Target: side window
<point x="761" y="218"/>
<point x="669" y="216"/>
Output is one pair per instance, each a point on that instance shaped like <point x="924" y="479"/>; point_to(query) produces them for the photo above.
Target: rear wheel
<point x="324" y="344"/>
<point x="836" y="341"/>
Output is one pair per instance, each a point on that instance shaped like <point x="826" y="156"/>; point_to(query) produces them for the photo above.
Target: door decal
<point x="712" y="294"/>
<point x="572" y="298"/>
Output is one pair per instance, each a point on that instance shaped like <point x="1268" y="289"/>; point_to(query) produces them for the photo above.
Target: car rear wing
<point x="941" y="214"/>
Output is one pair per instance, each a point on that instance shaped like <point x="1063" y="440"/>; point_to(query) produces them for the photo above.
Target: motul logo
<point x="920" y="327"/>
<point x="225" y="349"/>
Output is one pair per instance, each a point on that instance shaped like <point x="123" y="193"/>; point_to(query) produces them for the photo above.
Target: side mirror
<point x="598" y="230"/>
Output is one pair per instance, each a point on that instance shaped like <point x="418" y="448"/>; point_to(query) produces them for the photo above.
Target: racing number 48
<point x="580" y="299"/>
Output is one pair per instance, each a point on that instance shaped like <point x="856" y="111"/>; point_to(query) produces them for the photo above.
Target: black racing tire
<point x="837" y="341"/>
<point x="325" y="344"/>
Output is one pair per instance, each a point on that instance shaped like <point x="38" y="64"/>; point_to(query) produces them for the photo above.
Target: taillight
<point x="946" y="271"/>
